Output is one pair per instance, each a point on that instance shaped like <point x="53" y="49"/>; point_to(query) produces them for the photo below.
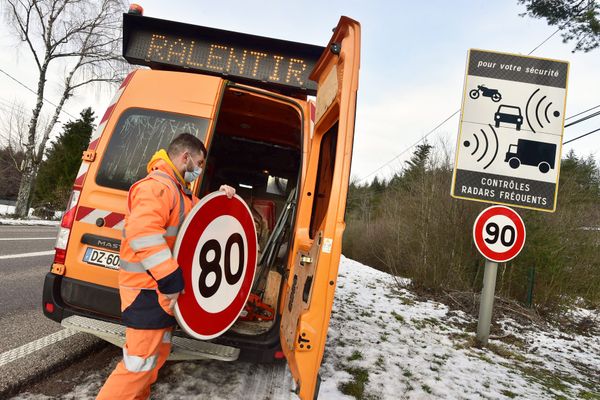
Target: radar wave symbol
<point x="539" y="107"/>
<point x="486" y="143"/>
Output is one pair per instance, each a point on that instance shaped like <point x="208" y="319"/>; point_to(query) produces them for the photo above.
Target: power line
<point x="35" y="93"/>
<point x="579" y="137"/>
<point x="545" y="40"/>
<point x="411" y="146"/>
<point x="583" y="112"/>
<point x="583" y="119"/>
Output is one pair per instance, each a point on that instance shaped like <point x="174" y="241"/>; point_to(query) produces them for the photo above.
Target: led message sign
<point x="256" y="60"/>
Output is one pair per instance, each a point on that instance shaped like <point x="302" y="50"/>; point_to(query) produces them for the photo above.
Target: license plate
<point x="102" y="258"/>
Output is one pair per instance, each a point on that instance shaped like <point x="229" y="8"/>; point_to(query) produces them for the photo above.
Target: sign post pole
<point x="499" y="235"/>
<point x="486" y="302"/>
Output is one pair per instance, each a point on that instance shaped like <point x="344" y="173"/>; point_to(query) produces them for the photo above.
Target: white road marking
<point x="23" y="255"/>
<point x="30" y="238"/>
<point x="22" y="351"/>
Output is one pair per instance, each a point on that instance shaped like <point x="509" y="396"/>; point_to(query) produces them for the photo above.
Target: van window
<point x="138" y="135"/>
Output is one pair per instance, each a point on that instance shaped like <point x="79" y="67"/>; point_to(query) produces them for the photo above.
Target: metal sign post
<point x="499" y="235"/>
<point x="486" y="303"/>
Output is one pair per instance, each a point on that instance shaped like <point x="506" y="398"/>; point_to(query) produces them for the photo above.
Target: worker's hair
<point x="186" y="142"/>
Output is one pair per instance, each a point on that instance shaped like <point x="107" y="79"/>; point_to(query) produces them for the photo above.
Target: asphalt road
<point x="61" y="365"/>
<point x="22" y="279"/>
<point x="21" y="318"/>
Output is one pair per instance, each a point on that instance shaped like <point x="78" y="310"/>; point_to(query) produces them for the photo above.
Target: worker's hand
<point x="173" y="297"/>
<point x="229" y="191"/>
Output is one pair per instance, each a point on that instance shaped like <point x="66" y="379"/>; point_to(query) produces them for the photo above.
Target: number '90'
<point x="507" y="234"/>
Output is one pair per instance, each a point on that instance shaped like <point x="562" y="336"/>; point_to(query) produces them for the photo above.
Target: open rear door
<point x="310" y="287"/>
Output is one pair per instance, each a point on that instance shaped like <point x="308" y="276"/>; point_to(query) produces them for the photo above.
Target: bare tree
<point x="81" y="35"/>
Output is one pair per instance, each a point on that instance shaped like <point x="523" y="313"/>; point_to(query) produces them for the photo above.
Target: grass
<point x="380" y="363"/>
<point x="356" y="355"/>
<point x="589" y="395"/>
<point x="398" y="317"/>
<point x="508" y="393"/>
<point x="424" y="323"/>
<point x="356" y="387"/>
<point x="506" y="353"/>
<point x="426" y="388"/>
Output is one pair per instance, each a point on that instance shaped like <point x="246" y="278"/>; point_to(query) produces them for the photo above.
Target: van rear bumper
<point x="74" y="297"/>
<point x="70" y="297"/>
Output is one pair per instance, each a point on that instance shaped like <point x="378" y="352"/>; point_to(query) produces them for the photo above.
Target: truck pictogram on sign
<point x="508" y="149"/>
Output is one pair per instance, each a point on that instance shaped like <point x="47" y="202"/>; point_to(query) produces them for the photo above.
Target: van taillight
<point x="65" y="229"/>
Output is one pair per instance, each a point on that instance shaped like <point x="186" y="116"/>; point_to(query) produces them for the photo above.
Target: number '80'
<point x="214" y="266"/>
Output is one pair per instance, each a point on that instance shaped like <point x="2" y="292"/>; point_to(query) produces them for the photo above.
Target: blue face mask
<point x="191" y="176"/>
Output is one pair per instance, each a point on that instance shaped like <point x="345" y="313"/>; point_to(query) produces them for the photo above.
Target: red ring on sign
<point x="482" y="246"/>
<point x="202" y="322"/>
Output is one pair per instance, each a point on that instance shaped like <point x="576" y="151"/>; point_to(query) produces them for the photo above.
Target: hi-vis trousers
<point x="144" y="353"/>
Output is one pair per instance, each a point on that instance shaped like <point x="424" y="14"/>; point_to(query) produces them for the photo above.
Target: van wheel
<point x="514" y="163"/>
<point x="544" y="167"/>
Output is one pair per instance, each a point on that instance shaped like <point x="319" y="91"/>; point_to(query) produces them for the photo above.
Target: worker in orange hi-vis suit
<point x="150" y="280"/>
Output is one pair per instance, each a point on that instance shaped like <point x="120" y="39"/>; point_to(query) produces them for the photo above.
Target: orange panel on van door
<point x="176" y="92"/>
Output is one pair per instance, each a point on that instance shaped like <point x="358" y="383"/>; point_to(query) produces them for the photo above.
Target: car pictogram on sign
<point x="216" y="249"/>
<point x="509" y="114"/>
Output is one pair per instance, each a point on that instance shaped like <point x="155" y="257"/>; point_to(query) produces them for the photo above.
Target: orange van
<point x="249" y="99"/>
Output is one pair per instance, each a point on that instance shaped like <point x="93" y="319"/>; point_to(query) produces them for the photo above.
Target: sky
<point x="413" y="57"/>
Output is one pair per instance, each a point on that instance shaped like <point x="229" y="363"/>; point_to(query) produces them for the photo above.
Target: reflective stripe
<point x="177" y="183"/>
<point x="167" y="337"/>
<point x="181" y="209"/>
<point x="146" y="241"/>
<point x="131" y="266"/>
<point x="171" y="231"/>
<point x="157" y="258"/>
<point x="138" y="364"/>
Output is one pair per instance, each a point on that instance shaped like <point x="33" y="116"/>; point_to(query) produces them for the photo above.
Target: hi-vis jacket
<point x="156" y="208"/>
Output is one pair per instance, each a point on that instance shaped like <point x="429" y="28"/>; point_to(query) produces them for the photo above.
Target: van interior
<point x="256" y="148"/>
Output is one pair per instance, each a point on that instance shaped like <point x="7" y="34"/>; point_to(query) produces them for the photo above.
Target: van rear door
<point x="149" y="111"/>
<point x="310" y="287"/>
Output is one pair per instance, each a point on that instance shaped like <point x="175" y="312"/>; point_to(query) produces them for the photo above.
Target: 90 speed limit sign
<point x="216" y="249"/>
<point x="499" y="233"/>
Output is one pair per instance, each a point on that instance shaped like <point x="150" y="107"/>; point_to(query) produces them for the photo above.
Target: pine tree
<point x="578" y="20"/>
<point x="63" y="158"/>
<point x="415" y="167"/>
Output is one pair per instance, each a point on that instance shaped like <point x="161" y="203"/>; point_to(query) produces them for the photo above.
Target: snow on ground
<point x="10" y="221"/>
<point x="8" y="210"/>
<point x="405" y="348"/>
<point x="386" y="343"/>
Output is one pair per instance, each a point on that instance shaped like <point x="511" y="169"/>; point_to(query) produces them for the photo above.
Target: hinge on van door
<point x="305" y="260"/>
<point x="89" y="155"/>
<point x="335" y="48"/>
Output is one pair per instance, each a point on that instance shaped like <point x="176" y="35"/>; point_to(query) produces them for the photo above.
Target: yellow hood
<point x="162" y="155"/>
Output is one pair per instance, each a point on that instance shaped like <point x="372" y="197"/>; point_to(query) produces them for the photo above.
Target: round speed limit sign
<point x="216" y="249"/>
<point x="499" y="233"/>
